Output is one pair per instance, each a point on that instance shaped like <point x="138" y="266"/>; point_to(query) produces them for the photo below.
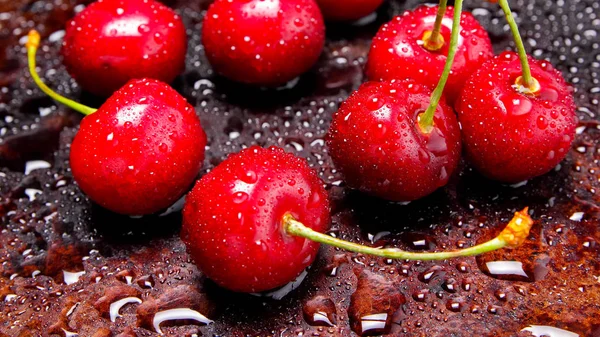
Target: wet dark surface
<point x="48" y="226"/>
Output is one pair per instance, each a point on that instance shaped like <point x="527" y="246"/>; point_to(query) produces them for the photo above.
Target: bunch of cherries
<point x="255" y="221"/>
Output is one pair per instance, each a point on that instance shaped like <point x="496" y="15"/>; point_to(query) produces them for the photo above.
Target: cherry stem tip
<point x="32" y="44"/>
<point x="33" y="39"/>
<point x="512" y="236"/>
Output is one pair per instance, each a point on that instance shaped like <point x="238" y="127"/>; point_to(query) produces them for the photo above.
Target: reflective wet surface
<point x="65" y="261"/>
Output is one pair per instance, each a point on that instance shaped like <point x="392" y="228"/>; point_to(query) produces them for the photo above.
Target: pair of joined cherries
<point x="515" y="116"/>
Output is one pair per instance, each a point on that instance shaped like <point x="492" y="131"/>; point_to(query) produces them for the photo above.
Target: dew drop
<point x="143" y="28"/>
<point x="240" y="197"/>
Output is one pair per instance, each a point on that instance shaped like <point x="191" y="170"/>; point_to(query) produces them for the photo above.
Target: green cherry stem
<point x="526" y="83"/>
<point x="32" y="44"/>
<point x="426" y="118"/>
<point x="512" y="236"/>
<point x="433" y="40"/>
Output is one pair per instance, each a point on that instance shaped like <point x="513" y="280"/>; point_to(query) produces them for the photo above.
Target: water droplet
<point x="542" y="122"/>
<point x="463" y="267"/>
<point x="450" y="285"/>
<point x="421" y="295"/>
<point x="240" y="197"/>
<point x="424" y="156"/>
<point x="143" y="28"/>
<point x="116" y="306"/>
<point x="418" y="241"/>
<point x="431" y="273"/>
<point x="71" y="277"/>
<point x="177" y="314"/>
<point x="455" y="305"/>
<point x="250" y="177"/>
<point x="375" y="103"/>
<point x="146" y="282"/>
<point x="494" y="309"/>
<point x="549" y="331"/>
<point x="373" y="324"/>
<point x="320" y="311"/>
<point x="501" y="295"/>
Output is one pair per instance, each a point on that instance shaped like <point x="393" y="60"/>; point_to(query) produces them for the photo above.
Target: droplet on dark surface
<point x="373" y="304"/>
<point x="113" y="294"/>
<point x="421" y="295"/>
<point x="528" y="270"/>
<point x="182" y="296"/>
<point x="146" y="281"/>
<point x="431" y="273"/>
<point x="320" y="311"/>
<point x="451" y="285"/>
<point x="418" y="241"/>
<point x="455" y="304"/>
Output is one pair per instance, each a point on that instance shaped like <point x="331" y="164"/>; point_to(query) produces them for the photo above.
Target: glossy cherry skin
<point x="375" y="141"/>
<point x="232" y="219"/>
<point x="113" y="41"/>
<point x="510" y="136"/>
<point x="141" y="151"/>
<point x="263" y="42"/>
<point x="397" y="50"/>
<point x="348" y="10"/>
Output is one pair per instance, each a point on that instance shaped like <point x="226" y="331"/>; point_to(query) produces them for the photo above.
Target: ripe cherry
<point x="335" y="10"/>
<point x="376" y="142"/>
<point x="263" y="42"/>
<point x="232" y="219"/>
<point x="113" y="41"/>
<point x="255" y="222"/>
<point x="140" y="151"/>
<point x="517" y="115"/>
<point x="408" y="47"/>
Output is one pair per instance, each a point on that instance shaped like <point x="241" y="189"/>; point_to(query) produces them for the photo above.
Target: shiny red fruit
<point x="375" y="141"/>
<point x="510" y="136"/>
<point x="263" y="42"/>
<point x="232" y="219"/>
<point x="113" y="41"/>
<point x="348" y="10"/>
<point x="140" y="151"/>
<point x="397" y="51"/>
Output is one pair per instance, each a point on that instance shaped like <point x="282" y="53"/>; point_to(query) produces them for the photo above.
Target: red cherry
<point x="347" y="10"/>
<point x="232" y="219"/>
<point x="512" y="136"/>
<point x="140" y="151"/>
<point x="113" y="41"/>
<point x="376" y="142"/>
<point x="397" y="51"/>
<point x="263" y="42"/>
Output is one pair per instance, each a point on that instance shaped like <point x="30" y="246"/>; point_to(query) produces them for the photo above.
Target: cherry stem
<point x="529" y="84"/>
<point x="426" y="118"/>
<point x="512" y="236"/>
<point x="32" y="44"/>
<point x="433" y="40"/>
